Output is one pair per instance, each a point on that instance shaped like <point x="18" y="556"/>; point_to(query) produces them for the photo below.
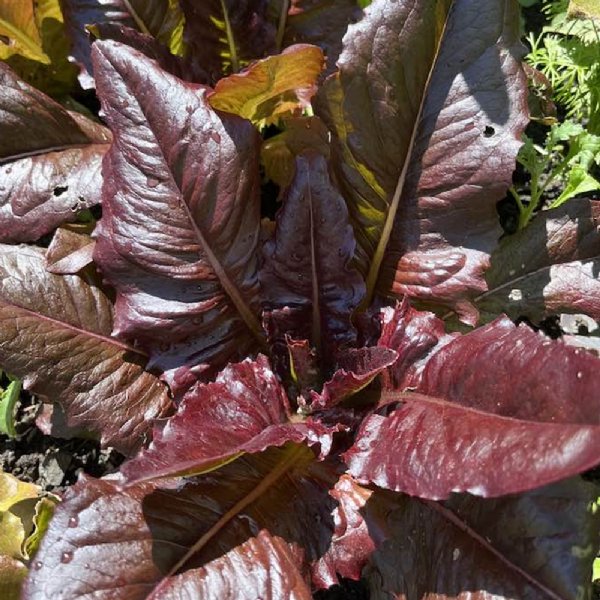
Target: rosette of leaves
<point x="321" y="427"/>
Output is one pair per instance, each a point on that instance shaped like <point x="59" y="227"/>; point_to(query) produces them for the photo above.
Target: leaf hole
<point x="59" y="190"/>
<point x="489" y="131"/>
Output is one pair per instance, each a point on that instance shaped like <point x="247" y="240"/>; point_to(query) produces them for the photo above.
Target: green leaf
<point x="587" y="9"/>
<point x="8" y="400"/>
<point x="12" y="575"/>
<point x="579" y="181"/>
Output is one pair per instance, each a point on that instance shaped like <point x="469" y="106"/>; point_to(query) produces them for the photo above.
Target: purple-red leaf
<point x="159" y="18"/>
<point x="356" y="368"/>
<point x="307" y="264"/>
<point x="426" y="120"/>
<point x="497" y="411"/>
<point x="225" y="35"/>
<point x="49" y="161"/>
<point x="269" y="88"/>
<point x="321" y="22"/>
<point x="55" y="335"/>
<point x="538" y="545"/>
<point x="548" y="268"/>
<point x="181" y="219"/>
<point x="244" y="411"/>
<point x="133" y="542"/>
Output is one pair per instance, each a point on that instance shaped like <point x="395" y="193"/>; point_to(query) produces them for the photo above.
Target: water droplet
<point x="189" y="109"/>
<point x="8" y="170"/>
<point x="215" y="137"/>
<point x="579" y="375"/>
<point x="38" y="565"/>
<point x="66" y="557"/>
<point x="152" y="182"/>
<point x="73" y="521"/>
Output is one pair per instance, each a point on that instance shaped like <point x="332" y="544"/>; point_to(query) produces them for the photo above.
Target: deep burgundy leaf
<point x="321" y="22"/>
<point x="225" y="35"/>
<point x="426" y="120"/>
<point x="158" y="18"/>
<point x="413" y="335"/>
<point x="356" y="368"/>
<point x="537" y="546"/>
<point x="248" y="402"/>
<point x="548" y="268"/>
<point x="181" y="218"/>
<point x="49" y="161"/>
<point x="307" y="263"/>
<point x="499" y="410"/>
<point x="183" y="67"/>
<point x="55" y="335"/>
<point x="69" y="252"/>
<point x="133" y="540"/>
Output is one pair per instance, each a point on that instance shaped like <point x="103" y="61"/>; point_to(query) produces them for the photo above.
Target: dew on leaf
<point x="66" y="557"/>
<point x="152" y="182"/>
<point x="73" y="521"/>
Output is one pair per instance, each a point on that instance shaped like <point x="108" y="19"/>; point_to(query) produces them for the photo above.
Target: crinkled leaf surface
<point x="307" y="264"/>
<point x="548" y="268"/>
<point x="321" y="22"/>
<point x="134" y="540"/>
<point x="161" y="19"/>
<point x="271" y="87"/>
<point x="537" y="545"/>
<point x="469" y="427"/>
<point x="244" y="411"/>
<point x="50" y="161"/>
<point x="181" y="217"/>
<point x="55" y="335"/>
<point x="426" y="112"/>
<point x="225" y="35"/>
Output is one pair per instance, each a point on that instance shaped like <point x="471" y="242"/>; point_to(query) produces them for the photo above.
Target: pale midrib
<point x="449" y="515"/>
<point x="78" y="330"/>
<point x="230" y="288"/>
<point x="235" y="64"/>
<point x="282" y="467"/>
<point x="138" y="21"/>
<point x="375" y="266"/>
<point x="316" y="308"/>
<point x="51" y="149"/>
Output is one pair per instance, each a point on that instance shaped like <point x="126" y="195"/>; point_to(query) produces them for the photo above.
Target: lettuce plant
<point x="308" y="421"/>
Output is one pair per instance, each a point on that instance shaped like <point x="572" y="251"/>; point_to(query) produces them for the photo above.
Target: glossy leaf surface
<point x="468" y="427"/>
<point x="271" y="87"/>
<point x="551" y="267"/>
<point x="55" y="335"/>
<point x="69" y="252"/>
<point x="180" y="222"/>
<point x="249" y="401"/>
<point x="537" y="545"/>
<point x="19" y="30"/>
<point x="50" y="161"/>
<point x="161" y="19"/>
<point x="225" y="35"/>
<point x="141" y="537"/>
<point x="307" y="264"/>
<point x="425" y="123"/>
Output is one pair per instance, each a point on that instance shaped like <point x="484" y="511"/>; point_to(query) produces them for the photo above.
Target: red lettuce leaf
<point x="69" y="252"/>
<point x="159" y="18"/>
<point x="548" y="268"/>
<point x="425" y="129"/>
<point x="225" y="35"/>
<point x="139" y="540"/>
<point x="322" y="23"/>
<point x="49" y="161"/>
<point x="248" y="401"/>
<point x="55" y="335"/>
<point x="535" y="545"/>
<point x="467" y="426"/>
<point x="181" y="218"/>
<point x="306" y="265"/>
